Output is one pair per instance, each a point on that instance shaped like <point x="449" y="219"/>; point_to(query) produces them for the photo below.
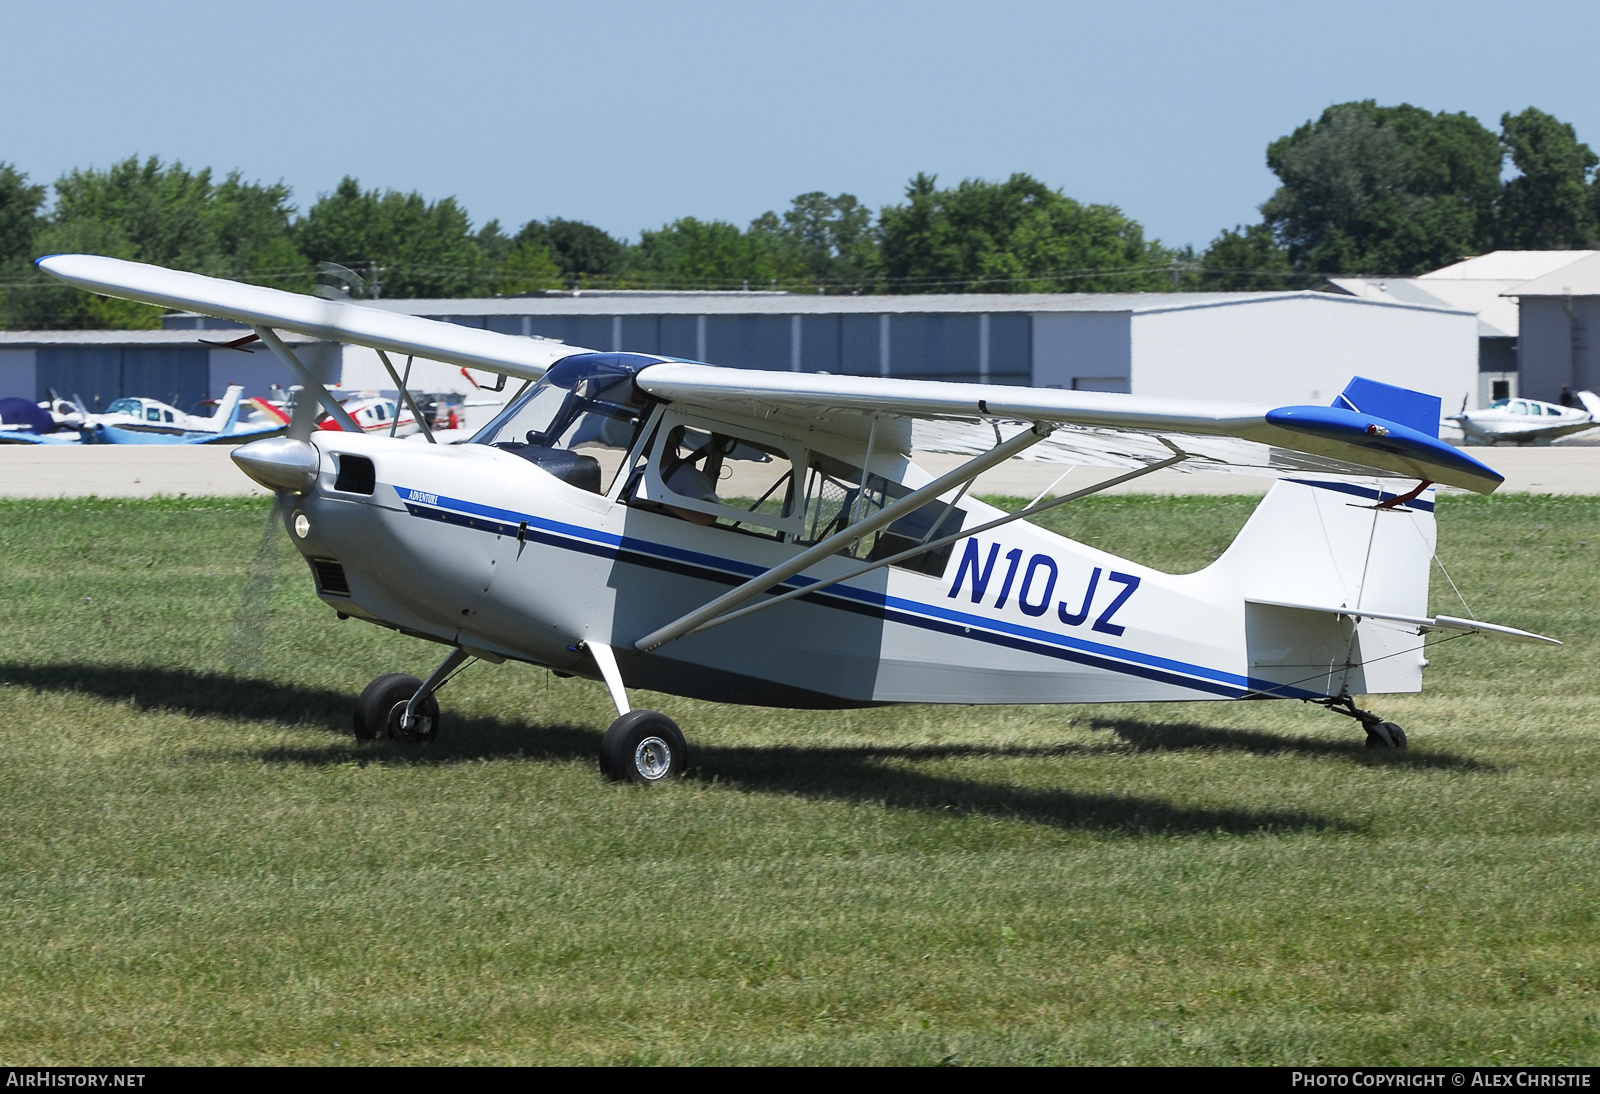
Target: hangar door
<point x="180" y="375"/>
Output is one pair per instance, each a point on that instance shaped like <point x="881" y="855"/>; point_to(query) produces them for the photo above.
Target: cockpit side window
<point x="714" y="475"/>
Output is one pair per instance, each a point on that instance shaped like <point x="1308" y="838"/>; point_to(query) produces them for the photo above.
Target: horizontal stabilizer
<point x="1437" y="623"/>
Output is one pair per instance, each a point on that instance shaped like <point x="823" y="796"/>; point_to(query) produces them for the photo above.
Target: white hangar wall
<point x="1302" y="349"/>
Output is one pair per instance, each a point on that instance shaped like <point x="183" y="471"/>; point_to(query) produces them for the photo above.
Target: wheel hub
<point x="653" y="758"/>
<point x="398" y="731"/>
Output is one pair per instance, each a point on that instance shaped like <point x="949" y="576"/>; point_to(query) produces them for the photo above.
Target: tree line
<point x="1363" y="189"/>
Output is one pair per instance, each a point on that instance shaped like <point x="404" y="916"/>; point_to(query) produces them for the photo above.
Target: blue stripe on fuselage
<point x="724" y="570"/>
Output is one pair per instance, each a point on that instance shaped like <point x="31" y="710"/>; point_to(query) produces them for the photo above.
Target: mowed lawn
<point x="200" y="865"/>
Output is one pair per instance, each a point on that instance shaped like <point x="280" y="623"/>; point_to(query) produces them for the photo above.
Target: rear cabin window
<point x="838" y="494"/>
<point x="756" y="486"/>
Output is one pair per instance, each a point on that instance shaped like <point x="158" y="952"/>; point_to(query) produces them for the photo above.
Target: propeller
<point x="247" y="636"/>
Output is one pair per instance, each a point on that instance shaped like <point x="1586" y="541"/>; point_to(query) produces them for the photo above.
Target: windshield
<point x="585" y="406"/>
<point x="126" y="406"/>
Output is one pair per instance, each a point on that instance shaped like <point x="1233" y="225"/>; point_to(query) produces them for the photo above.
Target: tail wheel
<point x="1385" y="735"/>
<point x="381" y="706"/>
<point x="644" y="747"/>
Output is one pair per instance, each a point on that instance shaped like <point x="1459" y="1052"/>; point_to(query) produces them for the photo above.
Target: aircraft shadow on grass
<point x="863" y="774"/>
<point x="1150" y="736"/>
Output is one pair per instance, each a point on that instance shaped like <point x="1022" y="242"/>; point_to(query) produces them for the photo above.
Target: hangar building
<point x="1485" y="286"/>
<point x="1270" y="347"/>
<point x="1283" y="348"/>
<point x="175" y="366"/>
<point x="1560" y="342"/>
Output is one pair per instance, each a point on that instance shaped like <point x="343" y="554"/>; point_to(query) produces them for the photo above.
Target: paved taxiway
<point x="127" y="471"/>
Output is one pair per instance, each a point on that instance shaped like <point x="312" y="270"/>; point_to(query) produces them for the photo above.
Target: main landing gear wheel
<point x="1385" y="735"/>
<point x="644" y="747"/>
<point x="379" y="710"/>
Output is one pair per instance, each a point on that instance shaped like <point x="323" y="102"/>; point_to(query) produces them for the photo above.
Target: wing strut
<point x="924" y="548"/>
<point x="308" y="379"/>
<point x="841" y="540"/>
<point x="406" y="395"/>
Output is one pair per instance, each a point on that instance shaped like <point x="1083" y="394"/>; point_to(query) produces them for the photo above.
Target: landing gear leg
<point x="642" y="746"/>
<point x="403" y="708"/>
<point x="1380" y="734"/>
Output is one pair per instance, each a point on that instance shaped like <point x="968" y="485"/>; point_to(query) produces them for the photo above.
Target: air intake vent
<point x="356" y="475"/>
<point x="330" y="577"/>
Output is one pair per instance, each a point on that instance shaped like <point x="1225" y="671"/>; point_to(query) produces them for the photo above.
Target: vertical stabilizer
<point x="222" y="418"/>
<point x="1313" y="550"/>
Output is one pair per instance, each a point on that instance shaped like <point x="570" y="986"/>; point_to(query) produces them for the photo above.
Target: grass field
<point x="200" y="864"/>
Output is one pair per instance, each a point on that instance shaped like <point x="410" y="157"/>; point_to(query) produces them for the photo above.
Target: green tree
<point x="528" y="267"/>
<point x="1370" y="189"/>
<point x="1246" y="259"/>
<point x="1013" y="236"/>
<point x="20" y="222"/>
<point x="164" y="214"/>
<point x="830" y="236"/>
<point x="494" y="243"/>
<point x="1547" y="207"/>
<point x="701" y="254"/>
<point x="584" y="253"/>
<point x="409" y="246"/>
<point x="20" y="202"/>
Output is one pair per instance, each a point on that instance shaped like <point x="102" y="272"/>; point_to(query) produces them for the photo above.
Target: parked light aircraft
<point x="1527" y="421"/>
<point x="589" y="529"/>
<point x="376" y="414"/>
<point x="148" y="421"/>
<point x="137" y="421"/>
<point x="23" y="421"/>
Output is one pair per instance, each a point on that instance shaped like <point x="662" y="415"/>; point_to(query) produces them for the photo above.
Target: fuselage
<point x="472" y="545"/>
<point x="376" y="415"/>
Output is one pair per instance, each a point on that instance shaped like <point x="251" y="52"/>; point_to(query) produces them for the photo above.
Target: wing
<point x="334" y="320"/>
<point x="1090" y="425"/>
<point x="1535" y="430"/>
<point x="1093" y="427"/>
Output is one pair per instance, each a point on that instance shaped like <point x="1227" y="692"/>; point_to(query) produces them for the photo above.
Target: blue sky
<point x="628" y="114"/>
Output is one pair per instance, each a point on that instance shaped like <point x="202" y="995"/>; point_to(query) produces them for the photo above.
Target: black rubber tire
<point x="1386" y="735"/>
<point x="644" y="747"/>
<point x="380" y="706"/>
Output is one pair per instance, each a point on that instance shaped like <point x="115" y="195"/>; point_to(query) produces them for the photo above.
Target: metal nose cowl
<point x="279" y="463"/>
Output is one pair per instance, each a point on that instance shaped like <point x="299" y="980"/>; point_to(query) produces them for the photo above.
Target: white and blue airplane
<point x="1526" y="421"/>
<point x="591" y="528"/>
<point x="134" y="420"/>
